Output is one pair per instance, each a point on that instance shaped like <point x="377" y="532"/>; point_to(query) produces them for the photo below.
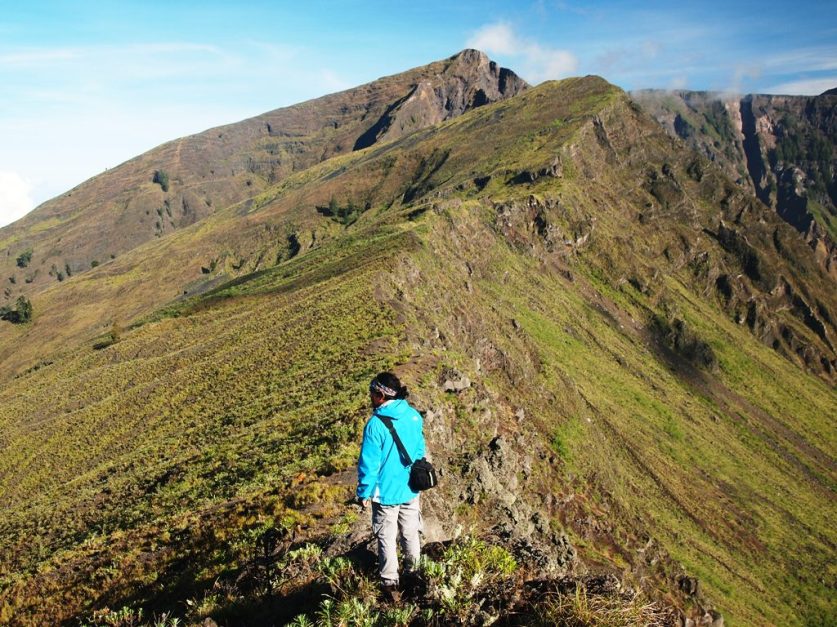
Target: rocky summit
<point x="623" y="350"/>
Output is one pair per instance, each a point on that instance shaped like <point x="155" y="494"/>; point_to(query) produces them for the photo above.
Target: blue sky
<point x="87" y="85"/>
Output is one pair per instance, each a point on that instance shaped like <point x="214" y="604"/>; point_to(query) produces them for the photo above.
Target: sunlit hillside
<point x="644" y="391"/>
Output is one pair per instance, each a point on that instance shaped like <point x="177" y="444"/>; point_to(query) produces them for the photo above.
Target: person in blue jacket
<point x="382" y="478"/>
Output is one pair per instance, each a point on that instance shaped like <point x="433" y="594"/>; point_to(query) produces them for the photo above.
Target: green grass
<point x="823" y="218"/>
<point x="233" y="397"/>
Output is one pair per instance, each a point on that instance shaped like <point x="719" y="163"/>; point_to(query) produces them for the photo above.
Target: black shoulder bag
<point x="422" y="473"/>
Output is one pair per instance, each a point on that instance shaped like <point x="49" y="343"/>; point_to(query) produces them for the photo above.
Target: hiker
<point x="382" y="478"/>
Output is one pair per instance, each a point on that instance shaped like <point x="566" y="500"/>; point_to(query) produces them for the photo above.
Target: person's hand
<point x="364" y="503"/>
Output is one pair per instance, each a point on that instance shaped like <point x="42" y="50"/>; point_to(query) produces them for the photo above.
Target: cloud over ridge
<point x="538" y="62"/>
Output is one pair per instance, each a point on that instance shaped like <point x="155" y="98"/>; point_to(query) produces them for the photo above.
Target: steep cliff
<point x="780" y="147"/>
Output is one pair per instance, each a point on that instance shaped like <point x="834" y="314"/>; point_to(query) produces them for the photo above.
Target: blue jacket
<point x="381" y="475"/>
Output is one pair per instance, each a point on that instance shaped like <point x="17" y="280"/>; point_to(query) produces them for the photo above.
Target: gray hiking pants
<point x="387" y="521"/>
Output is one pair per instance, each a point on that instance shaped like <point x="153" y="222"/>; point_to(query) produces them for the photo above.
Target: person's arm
<point x="369" y="464"/>
<point x="420" y="453"/>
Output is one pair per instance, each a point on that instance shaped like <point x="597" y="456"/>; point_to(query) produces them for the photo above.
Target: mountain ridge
<point x="230" y="163"/>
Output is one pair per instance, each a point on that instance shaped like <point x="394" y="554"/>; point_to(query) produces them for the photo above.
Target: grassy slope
<point x="184" y="413"/>
<point x="151" y="459"/>
<point x="733" y="474"/>
<point x="730" y="474"/>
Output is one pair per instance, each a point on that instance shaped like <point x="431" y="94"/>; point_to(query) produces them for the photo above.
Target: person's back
<point x="383" y="478"/>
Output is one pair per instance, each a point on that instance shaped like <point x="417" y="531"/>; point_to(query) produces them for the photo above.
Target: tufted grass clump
<point x="589" y="610"/>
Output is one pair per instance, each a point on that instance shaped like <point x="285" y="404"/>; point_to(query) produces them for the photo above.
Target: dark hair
<point x="391" y="381"/>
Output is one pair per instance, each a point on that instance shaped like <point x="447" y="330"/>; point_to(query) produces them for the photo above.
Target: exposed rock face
<point x="493" y="476"/>
<point x="128" y="206"/>
<point x="455" y="381"/>
<point x="470" y="80"/>
<point x="780" y="147"/>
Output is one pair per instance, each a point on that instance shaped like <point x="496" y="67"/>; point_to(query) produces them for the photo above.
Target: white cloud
<point x="495" y="38"/>
<point x="332" y="81"/>
<point x="15" y="197"/>
<point x="803" y="60"/>
<point x="740" y="75"/>
<point x="538" y="62"/>
<point x="804" y="87"/>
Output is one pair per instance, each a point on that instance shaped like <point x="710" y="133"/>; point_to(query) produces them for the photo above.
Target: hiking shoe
<point x="391" y="594"/>
<point x="410" y="581"/>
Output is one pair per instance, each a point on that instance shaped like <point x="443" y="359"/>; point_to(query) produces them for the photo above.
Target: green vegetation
<point x="114" y="336"/>
<point x="20" y="314"/>
<point x="249" y="386"/>
<point x="346" y="214"/>
<point x="719" y="123"/>
<point x="659" y="435"/>
<point x="161" y="178"/>
<point x="24" y="258"/>
<point x="566" y="437"/>
<point x="467" y="582"/>
<point x="823" y="217"/>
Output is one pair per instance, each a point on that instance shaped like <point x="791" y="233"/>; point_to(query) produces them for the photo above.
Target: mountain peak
<point x="468" y="80"/>
<point x="471" y="55"/>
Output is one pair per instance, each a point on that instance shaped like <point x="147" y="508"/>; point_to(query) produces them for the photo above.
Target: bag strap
<point x="405" y="456"/>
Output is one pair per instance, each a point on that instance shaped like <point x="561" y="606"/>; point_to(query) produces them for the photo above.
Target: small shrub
<point x="346" y="214"/>
<point x="24" y="258"/>
<point x="125" y="617"/>
<point x="459" y="582"/>
<point x="24" y="309"/>
<point x="301" y="621"/>
<point x="112" y="337"/>
<point x="161" y="177"/>
<point x="21" y="314"/>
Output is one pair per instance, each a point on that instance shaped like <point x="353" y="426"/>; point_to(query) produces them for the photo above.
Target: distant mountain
<point x="781" y="147"/>
<point x="626" y="362"/>
<point x="186" y="180"/>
